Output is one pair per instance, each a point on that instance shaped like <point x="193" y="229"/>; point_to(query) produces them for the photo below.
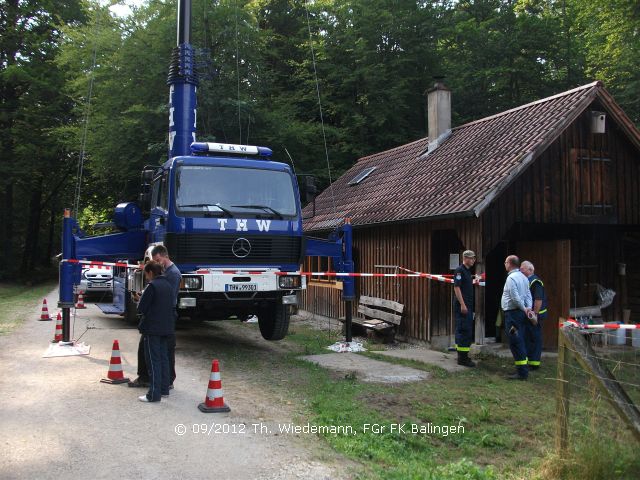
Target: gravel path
<point x="58" y="421"/>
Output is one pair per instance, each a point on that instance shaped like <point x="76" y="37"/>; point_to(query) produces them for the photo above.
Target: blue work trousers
<point x="156" y="352"/>
<point x="464" y="329"/>
<point x="143" y="369"/>
<point x="515" y="328"/>
<point x="534" y="340"/>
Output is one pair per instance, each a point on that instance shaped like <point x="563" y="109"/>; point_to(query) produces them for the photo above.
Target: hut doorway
<point x="443" y="243"/>
<point x="552" y="261"/>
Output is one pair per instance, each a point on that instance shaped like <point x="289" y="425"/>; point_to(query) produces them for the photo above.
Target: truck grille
<point x="217" y="249"/>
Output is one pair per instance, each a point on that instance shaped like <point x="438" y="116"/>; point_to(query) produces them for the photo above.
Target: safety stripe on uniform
<point x="521" y="362"/>
<point x="534" y="362"/>
<point x="463" y="349"/>
<point x="542" y="311"/>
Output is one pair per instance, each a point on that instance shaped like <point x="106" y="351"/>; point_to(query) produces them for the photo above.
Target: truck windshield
<point x="225" y="191"/>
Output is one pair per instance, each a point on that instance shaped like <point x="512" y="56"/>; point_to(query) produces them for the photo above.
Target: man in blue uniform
<point x="463" y="307"/>
<point x="533" y="330"/>
<point x="516" y="303"/>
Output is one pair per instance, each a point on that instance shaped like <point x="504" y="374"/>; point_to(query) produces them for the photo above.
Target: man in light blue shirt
<point x="516" y="303"/>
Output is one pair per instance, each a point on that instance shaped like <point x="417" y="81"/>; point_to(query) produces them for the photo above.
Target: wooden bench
<point x="379" y="315"/>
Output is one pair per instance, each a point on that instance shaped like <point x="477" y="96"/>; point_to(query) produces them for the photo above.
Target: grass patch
<point x="382" y="418"/>
<point x="16" y="300"/>
<point x="508" y="426"/>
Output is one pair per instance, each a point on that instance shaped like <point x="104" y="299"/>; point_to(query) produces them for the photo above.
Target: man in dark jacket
<point x="157" y="324"/>
<point x="160" y="254"/>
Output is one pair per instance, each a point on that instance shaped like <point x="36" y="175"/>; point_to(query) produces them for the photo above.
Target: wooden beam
<point x="387" y="317"/>
<point x="562" y="398"/>
<point x="381" y="302"/>
<point x="603" y="378"/>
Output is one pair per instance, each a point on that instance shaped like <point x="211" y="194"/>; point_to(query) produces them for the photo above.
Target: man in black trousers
<point x="157" y="323"/>
<point x="160" y="254"/>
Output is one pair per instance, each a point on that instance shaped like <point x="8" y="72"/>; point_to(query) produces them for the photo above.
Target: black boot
<point x="464" y="360"/>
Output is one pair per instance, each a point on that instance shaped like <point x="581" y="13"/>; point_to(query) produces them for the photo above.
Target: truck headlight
<point x="191" y="282"/>
<point x="289" y="281"/>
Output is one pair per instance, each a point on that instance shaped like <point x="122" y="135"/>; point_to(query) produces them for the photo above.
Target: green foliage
<point x="94" y="213"/>
<point x="16" y="299"/>
<point x="610" y="34"/>
<point x="260" y="60"/>
<point x="31" y="104"/>
<point x="462" y="470"/>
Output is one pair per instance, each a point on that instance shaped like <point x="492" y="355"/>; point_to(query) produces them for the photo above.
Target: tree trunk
<point x="7" y="233"/>
<point x="30" y="253"/>
<point x="52" y="229"/>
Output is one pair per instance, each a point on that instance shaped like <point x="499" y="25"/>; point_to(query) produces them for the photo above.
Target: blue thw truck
<point x="229" y="215"/>
<point x="232" y="222"/>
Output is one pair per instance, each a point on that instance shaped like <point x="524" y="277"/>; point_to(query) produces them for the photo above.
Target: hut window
<point x="319" y="264"/>
<point x="592" y="188"/>
<point x="361" y="176"/>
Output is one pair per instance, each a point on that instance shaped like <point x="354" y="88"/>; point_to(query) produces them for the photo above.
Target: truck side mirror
<point x="308" y="189"/>
<point x="144" y="200"/>
<point x="147" y="176"/>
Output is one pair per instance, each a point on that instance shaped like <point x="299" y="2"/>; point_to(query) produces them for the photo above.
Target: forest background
<point x="78" y="81"/>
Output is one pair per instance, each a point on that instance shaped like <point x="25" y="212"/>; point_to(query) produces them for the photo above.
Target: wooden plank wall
<point x="546" y="192"/>
<point x="401" y="245"/>
<point x="632" y="287"/>
<point x="594" y="260"/>
<point x="324" y="300"/>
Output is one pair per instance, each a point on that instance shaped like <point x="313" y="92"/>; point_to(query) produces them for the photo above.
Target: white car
<point x="96" y="279"/>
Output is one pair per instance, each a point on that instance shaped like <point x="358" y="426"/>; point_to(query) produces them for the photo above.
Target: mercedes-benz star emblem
<point x="241" y="247"/>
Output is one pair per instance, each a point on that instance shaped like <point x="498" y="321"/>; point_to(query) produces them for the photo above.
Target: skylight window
<point x="361" y="176"/>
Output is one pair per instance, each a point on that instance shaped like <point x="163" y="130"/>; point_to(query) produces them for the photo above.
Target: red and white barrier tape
<point x="601" y="326"/>
<point x="446" y="278"/>
<point x="430" y="276"/>
<point x="93" y="263"/>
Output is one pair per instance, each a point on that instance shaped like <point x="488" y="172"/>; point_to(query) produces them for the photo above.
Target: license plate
<point x="241" y="287"/>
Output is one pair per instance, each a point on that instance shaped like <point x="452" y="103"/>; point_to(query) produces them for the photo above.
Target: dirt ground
<point x="58" y="420"/>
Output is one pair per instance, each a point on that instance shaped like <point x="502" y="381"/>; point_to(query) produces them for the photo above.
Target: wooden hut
<point x="555" y="181"/>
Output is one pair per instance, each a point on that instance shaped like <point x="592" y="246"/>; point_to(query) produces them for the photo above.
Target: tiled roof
<point x="464" y="174"/>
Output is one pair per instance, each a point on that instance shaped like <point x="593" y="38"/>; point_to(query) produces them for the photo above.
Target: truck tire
<point x="274" y="321"/>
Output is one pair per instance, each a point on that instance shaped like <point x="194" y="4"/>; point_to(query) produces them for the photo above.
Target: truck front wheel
<point x="274" y="321"/>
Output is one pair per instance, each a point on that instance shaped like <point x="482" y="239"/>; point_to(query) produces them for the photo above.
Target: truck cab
<point x="231" y="220"/>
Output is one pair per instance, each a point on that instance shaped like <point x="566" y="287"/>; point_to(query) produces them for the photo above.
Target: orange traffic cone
<point x="80" y="303"/>
<point x="115" y="375"/>
<point x="44" y="314"/>
<point x="214" y="401"/>
<point x="57" y="337"/>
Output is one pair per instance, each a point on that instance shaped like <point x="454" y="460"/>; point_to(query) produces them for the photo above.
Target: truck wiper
<point x="222" y="209"/>
<point x="262" y="207"/>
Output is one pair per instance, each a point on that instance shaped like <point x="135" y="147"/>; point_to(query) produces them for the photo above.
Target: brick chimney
<point x="439" y="113"/>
